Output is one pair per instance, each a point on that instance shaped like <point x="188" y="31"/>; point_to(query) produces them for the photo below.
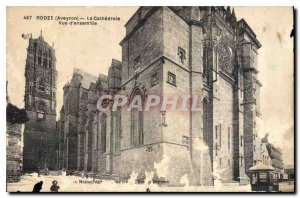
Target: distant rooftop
<point x="261" y="166"/>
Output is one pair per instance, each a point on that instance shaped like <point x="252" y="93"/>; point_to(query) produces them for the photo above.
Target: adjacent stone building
<point x="15" y="117"/>
<point x="170" y="51"/>
<point x="289" y="172"/>
<point x="265" y="155"/>
<point x="13" y="152"/>
<point x="275" y="156"/>
<point x="40" y="134"/>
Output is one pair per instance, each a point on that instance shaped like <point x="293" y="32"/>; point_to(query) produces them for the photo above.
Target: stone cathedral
<point x="40" y="134"/>
<point x="167" y="51"/>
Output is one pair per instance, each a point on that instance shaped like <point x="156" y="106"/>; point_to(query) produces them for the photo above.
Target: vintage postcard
<point x="150" y="99"/>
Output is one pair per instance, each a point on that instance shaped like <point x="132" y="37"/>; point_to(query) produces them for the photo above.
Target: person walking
<point x="38" y="187"/>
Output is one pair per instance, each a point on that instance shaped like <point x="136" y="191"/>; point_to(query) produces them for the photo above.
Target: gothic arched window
<point x="137" y="118"/>
<point x="40" y="57"/>
<point x="42" y="106"/>
<point x="45" y="62"/>
<point x="103" y="132"/>
<point x="39" y="60"/>
<point x="41" y="85"/>
<point x="224" y="57"/>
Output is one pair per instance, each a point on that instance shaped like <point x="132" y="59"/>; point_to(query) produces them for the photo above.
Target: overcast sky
<point x="91" y="48"/>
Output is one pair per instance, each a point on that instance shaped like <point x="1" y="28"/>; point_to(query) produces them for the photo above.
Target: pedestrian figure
<point x="54" y="187"/>
<point x="46" y="171"/>
<point x="148" y="190"/>
<point x="38" y="187"/>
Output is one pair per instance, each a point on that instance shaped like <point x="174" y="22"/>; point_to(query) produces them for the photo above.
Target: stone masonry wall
<point x="223" y="119"/>
<point x="13" y="152"/>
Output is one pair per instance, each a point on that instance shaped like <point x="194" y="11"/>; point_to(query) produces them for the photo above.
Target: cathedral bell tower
<point x="40" y="138"/>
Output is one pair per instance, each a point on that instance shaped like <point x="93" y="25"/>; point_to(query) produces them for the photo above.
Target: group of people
<point x="38" y="187"/>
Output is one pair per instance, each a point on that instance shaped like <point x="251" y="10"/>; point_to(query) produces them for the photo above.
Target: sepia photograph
<point x="150" y="99"/>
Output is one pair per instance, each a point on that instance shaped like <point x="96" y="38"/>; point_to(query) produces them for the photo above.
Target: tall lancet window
<point x="137" y="119"/>
<point x="45" y="62"/>
<point x="103" y="133"/>
<point x="118" y="130"/>
<point x="205" y="120"/>
<point x="205" y="64"/>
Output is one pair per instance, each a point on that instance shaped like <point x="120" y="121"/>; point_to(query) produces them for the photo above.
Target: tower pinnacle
<point x="41" y="36"/>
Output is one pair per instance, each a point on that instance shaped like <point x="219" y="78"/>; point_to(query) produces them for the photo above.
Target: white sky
<point x="91" y="48"/>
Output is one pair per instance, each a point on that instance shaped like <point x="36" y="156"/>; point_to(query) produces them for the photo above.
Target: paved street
<point x="286" y="187"/>
<point x="78" y="184"/>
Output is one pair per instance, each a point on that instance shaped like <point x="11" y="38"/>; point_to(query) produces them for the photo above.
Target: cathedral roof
<point x="92" y="86"/>
<point x="116" y="63"/>
<point x="115" y="69"/>
<point x="115" y="74"/>
<point x="87" y="78"/>
<point x="103" y="81"/>
<point x="103" y="78"/>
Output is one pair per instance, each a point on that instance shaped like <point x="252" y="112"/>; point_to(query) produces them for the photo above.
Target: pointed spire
<point x="228" y="9"/>
<point x="233" y="17"/>
<point x="228" y="14"/>
<point x="233" y="14"/>
<point x="41" y="36"/>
